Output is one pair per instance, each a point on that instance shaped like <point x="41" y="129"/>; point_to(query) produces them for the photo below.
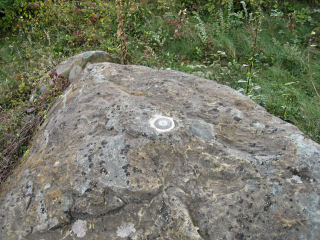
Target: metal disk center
<point x="162" y="123"/>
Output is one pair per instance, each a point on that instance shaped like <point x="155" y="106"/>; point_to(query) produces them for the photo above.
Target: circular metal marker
<point x="162" y="123"/>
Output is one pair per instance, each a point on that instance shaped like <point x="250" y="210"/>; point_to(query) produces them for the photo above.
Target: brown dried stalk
<point x="121" y="34"/>
<point x="309" y="69"/>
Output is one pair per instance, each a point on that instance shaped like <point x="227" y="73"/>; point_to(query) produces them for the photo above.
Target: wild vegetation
<point x="268" y="50"/>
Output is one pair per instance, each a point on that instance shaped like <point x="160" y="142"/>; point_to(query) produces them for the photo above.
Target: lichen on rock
<point x="133" y="152"/>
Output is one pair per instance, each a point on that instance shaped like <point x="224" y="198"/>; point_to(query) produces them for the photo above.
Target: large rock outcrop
<point x="135" y="153"/>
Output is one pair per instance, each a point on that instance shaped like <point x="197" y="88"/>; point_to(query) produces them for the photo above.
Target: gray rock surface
<point x="135" y="153"/>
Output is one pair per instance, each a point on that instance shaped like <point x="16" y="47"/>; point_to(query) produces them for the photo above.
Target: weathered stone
<point x="135" y="153"/>
<point x="73" y="66"/>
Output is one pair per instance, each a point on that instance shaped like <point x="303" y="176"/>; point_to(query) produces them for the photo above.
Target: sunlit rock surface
<point x="134" y="153"/>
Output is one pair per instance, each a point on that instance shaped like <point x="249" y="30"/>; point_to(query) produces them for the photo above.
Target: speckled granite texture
<point x="135" y="153"/>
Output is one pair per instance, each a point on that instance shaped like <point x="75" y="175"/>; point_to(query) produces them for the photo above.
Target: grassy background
<point x="268" y="50"/>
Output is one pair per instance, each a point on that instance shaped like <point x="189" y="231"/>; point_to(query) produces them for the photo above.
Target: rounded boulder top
<point x="131" y="152"/>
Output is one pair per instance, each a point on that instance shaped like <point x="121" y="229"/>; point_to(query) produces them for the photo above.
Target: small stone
<point x="79" y="228"/>
<point x="30" y="110"/>
<point x="295" y="180"/>
<point x="125" y="230"/>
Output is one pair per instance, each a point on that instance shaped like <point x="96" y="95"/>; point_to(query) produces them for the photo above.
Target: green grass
<point x="165" y="37"/>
